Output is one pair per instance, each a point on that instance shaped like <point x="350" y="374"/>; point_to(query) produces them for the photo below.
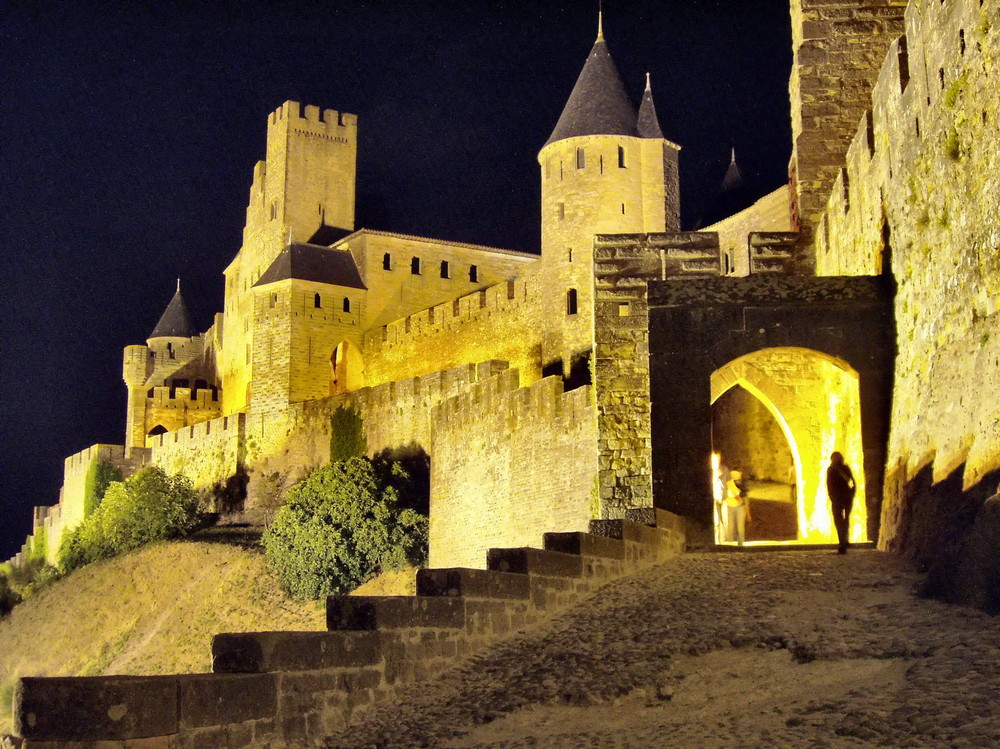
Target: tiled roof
<point x="307" y="262"/>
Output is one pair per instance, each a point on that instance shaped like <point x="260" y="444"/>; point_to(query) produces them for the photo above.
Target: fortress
<point x="855" y="308"/>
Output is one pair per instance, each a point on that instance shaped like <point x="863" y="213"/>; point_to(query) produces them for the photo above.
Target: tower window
<point x="561" y="210"/>
<point x="474" y="274"/>
<point x="347" y="304"/>
<point x="581" y="158"/>
<point x="621" y="157"/>
<point x="274" y="300"/>
<point x="571" y="302"/>
<point x="317" y="301"/>
<point x="569" y="255"/>
<point x="444" y="269"/>
<point x="274" y="210"/>
<point x="623" y="209"/>
<point x="415" y="266"/>
<point x="387" y="261"/>
<point x="170" y="350"/>
<point x="601" y="160"/>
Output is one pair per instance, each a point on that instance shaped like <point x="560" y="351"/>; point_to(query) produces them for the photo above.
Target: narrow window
<point x="571" y="302"/>
<point x="170" y="350"/>
<point x="317" y="301"/>
<point x="569" y="254"/>
<point x="474" y="274"/>
<point x="274" y="210"/>
<point x="621" y="157"/>
<point x="387" y="261"/>
<point x="961" y="41"/>
<point x="941" y="76"/>
<point x="415" y="266"/>
<point x="561" y="210"/>
<point x="581" y="158"/>
<point x="274" y="300"/>
<point x="444" y="269"/>
<point x="624" y="310"/>
<point x="623" y="209"/>
<point x="560" y="169"/>
<point x="601" y="162"/>
<point x="347" y="304"/>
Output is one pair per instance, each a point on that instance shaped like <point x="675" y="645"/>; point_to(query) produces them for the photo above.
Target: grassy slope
<point x="151" y="612"/>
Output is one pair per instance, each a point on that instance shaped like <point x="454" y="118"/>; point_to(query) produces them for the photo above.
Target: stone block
<point x="260" y="652"/>
<point x="584" y="544"/>
<point x="88" y="708"/>
<point x="525" y="560"/>
<point x="220" y="699"/>
<point x="392" y="612"/>
<point x="471" y="583"/>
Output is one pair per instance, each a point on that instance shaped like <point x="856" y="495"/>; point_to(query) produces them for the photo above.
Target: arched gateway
<point x="816" y="352"/>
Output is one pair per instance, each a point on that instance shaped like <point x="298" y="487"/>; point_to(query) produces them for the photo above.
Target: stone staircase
<point x="284" y="689"/>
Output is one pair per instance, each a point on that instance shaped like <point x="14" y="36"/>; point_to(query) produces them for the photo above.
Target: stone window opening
<point x="961" y="41"/>
<point x="415" y="266"/>
<point x="569" y="255"/>
<point x="274" y="300"/>
<point x="621" y="157"/>
<point x="560" y="169"/>
<point x="444" y="269"/>
<point x="561" y="210"/>
<point x="157" y="431"/>
<point x="274" y="210"/>
<point x="474" y="274"/>
<point x="941" y="76"/>
<point x="601" y="162"/>
<point x="317" y="301"/>
<point x="624" y="309"/>
<point x="170" y="351"/>
<point x="571" y="307"/>
<point x="623" y="209"/>
<point x="581" y="158"/>
<point x="387" y="261"/>
<point x="347" y="304"/>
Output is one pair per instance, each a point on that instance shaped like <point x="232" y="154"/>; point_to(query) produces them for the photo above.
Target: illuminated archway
<point x="347" y="368"/>
<point x="815" y="399"/>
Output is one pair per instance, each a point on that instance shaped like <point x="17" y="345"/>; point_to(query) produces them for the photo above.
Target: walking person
<point x="840" y="487"/>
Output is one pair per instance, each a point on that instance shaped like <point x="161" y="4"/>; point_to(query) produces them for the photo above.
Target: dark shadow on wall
<point x="952" y="534"/>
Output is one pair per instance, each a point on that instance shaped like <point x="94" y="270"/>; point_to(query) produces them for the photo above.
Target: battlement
<point x="186" y="398"/>
<point x="225" y="425"/>
<point x="691" y="254"/>
<point x="505" y="296"/>
<point x="911" y="109"/>
<point x="503" y="394"/>
<point x="78" y="463"/>
<point x="311" y="118"/>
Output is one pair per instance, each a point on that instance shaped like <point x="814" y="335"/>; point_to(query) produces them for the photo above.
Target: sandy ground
<point x="789" y="649"/>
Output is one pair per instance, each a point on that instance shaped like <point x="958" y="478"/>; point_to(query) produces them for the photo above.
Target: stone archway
<point x="815" y="400"/>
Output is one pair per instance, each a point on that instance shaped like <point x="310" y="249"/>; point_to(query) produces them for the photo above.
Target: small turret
<point x="648" y="125"/>
<point x="175" y="322"/>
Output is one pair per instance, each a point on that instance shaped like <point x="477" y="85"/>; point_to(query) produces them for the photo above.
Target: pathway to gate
<point x="776" y="649"/>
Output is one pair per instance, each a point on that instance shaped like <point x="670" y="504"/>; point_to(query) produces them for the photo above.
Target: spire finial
<point x="647" y="80"/>
<point x="178" y="286"/>
<point x="733" y="157"/>
<point x="600" y="21"/>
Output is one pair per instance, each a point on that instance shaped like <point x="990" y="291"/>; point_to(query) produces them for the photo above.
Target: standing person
<point x="841" y="487"/>
<point x="737" y="508"/>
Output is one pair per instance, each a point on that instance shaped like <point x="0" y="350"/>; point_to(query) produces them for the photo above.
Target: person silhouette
<point x="840" y="486"/>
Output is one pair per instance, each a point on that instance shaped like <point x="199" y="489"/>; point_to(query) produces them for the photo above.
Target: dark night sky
<point x="130" y="131"/>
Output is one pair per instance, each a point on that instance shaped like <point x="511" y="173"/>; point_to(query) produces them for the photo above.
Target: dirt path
<point x="792" y="649"/>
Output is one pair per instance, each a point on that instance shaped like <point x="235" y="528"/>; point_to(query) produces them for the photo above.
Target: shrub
<point x="100" y="475"/>
<point x="344" y="525"/>
<point x="8" y="597"/>
<point x="147" y="506"/>
<point x="347" y="434"/>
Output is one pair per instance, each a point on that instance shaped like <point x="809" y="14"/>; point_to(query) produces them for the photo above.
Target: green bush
<point x="347" y="434"/>
<point x="100" y="475"/>
<point x="8" y="596"/>
<point x="344" y="525"/>
<point x="147" y="506"/>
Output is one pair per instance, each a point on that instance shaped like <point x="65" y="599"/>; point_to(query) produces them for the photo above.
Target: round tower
<point x="606" y="169"/>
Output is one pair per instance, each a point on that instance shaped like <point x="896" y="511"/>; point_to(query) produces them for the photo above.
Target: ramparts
<point x="509" y="464"/>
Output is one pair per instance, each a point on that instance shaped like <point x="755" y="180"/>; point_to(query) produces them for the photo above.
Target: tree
<point x="342" y="526"/>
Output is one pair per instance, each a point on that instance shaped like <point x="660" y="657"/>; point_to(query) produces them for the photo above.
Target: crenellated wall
<point x="510" y="463"/>
<point x="920" y="194"/>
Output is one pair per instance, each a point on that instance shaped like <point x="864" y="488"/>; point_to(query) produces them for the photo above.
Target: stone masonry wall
<point x="920" y="193"/>
<point x="837" y="47"/>
<point x="510" y="464"/>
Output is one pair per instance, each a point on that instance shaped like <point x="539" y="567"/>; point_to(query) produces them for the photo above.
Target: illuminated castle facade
<point x="538" y="385"/>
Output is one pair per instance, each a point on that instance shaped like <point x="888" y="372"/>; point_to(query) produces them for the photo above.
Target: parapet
<point x="310" y="116"/>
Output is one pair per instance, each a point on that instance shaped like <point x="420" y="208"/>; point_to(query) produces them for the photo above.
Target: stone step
<point x="525" y="560"/>
<point x="264" y="652"/>
<point x="393" y="612"/>
<point x="626" y="530"/>
<point x="585" y="544"/>
<point x="472" y="583"/>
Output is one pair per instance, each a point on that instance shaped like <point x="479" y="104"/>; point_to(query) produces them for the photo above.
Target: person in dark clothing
<point x="840" y="487"/>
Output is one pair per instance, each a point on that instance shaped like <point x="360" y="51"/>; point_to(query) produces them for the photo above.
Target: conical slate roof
<point x="598" y="104"/>
<point x="648" y="125"/>
<point x="734" y="177"/>
<point x="175" y="322"/>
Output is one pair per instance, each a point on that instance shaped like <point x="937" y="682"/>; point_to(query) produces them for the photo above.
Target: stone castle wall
<point x="920" y="193"/>
<point x="509" y="465"/>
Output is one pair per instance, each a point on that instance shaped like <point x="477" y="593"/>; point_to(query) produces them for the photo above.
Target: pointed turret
<point x="598" y="104"/>
<point x="648" y="125"/>
<point x="175" y="322"/>
<point x="734" y="177"/>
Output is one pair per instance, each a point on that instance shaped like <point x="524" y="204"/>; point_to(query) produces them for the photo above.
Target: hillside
<point x="150" y="612"/>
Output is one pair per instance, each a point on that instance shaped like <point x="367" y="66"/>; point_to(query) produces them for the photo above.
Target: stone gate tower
<point x="605" y="170"/>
